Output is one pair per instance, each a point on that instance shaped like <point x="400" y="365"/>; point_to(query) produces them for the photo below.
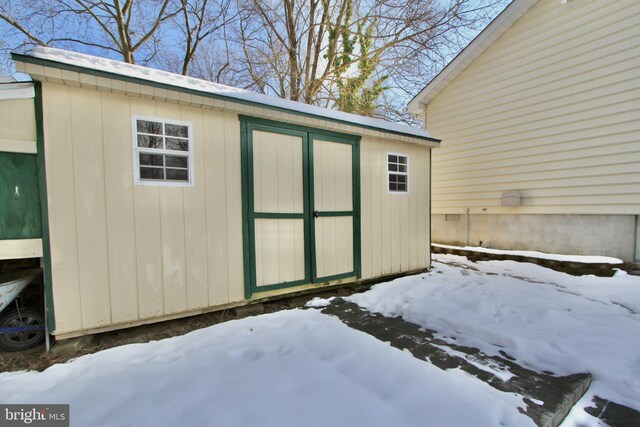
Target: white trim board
<point x="20" y="248"/>
<point x="16" y="90"/>
<point x="16" y="146"/>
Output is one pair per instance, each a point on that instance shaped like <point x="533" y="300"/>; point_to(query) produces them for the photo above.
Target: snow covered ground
<point x="585" y="259"/>
<point x="292" y="368"/>
<point x="304" y="368"/>
<point x="547" y="320"/>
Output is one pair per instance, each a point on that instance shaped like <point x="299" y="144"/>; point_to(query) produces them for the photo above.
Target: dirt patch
<point x="37" y="359"/>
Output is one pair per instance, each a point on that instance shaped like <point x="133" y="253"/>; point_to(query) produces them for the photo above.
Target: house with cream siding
<point x="156" y="196"/>
<point x="540" y="124"/>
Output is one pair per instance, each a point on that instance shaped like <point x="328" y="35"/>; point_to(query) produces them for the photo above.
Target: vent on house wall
<point x="511" y="198"/>
<point x="452" y="217"/>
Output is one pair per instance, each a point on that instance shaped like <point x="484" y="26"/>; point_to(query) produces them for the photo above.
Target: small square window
<point x="163" y="152"/>
<point x="398" y="173"/>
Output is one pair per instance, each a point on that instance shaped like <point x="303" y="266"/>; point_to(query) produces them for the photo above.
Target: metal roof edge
<point x="496" y="28"/>
<point x="19" y="57"/>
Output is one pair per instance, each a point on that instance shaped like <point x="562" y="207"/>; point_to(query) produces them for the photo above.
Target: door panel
<point x="334" y="245"/>
<point x="277" y="173"/>
<point x="332" y="181"/>
<point x="333" y="200"/>
<point x="279" y="245"/>
<point x="19" y="197"/>
<point x="278" y="209"/>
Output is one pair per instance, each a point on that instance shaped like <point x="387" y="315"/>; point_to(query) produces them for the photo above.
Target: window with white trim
<point x="162" y="151"/>
<point x="398" y="173"/>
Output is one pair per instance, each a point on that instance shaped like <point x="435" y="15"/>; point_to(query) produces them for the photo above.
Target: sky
<point x="11" y="40"/>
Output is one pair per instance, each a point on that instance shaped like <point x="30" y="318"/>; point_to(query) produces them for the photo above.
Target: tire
<point x="18" y="341"/>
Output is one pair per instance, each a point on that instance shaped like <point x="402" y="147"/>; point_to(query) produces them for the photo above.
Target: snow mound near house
<point x="547" y="320"/>
<point x="585" y="259"/>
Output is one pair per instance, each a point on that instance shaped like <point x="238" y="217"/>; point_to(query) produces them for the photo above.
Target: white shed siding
<point x="17" y="126"/>
<point x="394" y="227"/>
<point x="122" y="253"/>
<point x="550" y="109"/>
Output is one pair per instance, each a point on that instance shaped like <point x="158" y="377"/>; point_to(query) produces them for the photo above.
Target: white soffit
<point x="16" y="90"/>
<point x="490" y="34"/>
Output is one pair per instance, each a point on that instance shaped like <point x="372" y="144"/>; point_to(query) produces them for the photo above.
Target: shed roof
<point x="83" y="63"/>
<point x="473" y="50"/>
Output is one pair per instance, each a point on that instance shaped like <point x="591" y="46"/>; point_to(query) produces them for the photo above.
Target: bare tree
<point x="199" y="20"/>
<point x="123" y="27"/>
<point x="333" y="53"/>
<point x="303" y="49"/>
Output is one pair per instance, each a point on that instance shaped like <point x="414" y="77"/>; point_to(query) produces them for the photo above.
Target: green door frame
<point x="247" y="126"/>
<point x="355" y="206"/>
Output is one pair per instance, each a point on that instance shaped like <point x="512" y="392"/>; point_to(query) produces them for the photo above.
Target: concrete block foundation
<point x="608" y="235"/>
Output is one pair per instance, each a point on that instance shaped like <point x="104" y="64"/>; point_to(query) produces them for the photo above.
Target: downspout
<point x="637" y="254"/>
<point x="467" y="226"/>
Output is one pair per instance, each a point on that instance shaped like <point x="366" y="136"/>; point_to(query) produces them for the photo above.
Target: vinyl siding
<point x="550" y="109"/>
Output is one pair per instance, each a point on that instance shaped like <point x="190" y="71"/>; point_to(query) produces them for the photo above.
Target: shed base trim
<point x="261" y="297"/>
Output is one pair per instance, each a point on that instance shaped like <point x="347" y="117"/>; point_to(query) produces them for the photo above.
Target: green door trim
<point x="50" y="320"/>
<point x="320" y="214"/>
<point x="355" y="203"/>
<point x="247" y="125"/>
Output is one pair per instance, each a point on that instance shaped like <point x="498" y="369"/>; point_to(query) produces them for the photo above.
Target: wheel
<point x="18" y="341"/>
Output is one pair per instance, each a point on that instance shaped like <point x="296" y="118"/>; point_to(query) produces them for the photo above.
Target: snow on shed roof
<point x="478" y="45"/>
<point x="120" y="68"/>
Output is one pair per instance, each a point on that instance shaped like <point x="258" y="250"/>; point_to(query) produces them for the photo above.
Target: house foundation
<point x="608" y="235"/>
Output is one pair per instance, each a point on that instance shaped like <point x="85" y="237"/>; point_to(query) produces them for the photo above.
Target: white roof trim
<point x="490" y="34"/>
<point x="16" y="90"/>
<point x="152" y="75"/>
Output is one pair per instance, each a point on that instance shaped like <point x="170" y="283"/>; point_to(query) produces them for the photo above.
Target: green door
<point x="334" y="249"/>
<point x="301" y="198"/>
<point x="19" y="197"/>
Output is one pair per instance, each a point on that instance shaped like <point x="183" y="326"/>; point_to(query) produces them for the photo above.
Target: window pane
<point x="146" y="126"/>
<point x="177" y="144"/>
<point x="392" y="186"/>
<point x="402" y="187"/>
<point x="392" y="178"/>
<point x="402" y="168"/>
<point x="149" y="141"/>
<point x="151" y="173"/>
<point x="393" y="159"/>
<point x="393" y="167"/>
<point x="176" y="130"/>
<point x="177" y="161"/>
<point x="151" y="159"/>
<point x="402" y="159"/>
<point x="177" y="175"/>
<point x="402" y="178"/>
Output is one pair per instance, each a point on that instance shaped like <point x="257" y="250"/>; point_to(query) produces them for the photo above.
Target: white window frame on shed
<point x="396" y="173"/>
<point x="161" y="151"/>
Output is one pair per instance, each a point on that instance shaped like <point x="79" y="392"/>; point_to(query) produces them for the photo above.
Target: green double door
<point x="301" y="196"/>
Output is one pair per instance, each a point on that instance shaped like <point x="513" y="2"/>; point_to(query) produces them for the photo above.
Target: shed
<point x="166" y="196"/>
<point x="541" y="138"/>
